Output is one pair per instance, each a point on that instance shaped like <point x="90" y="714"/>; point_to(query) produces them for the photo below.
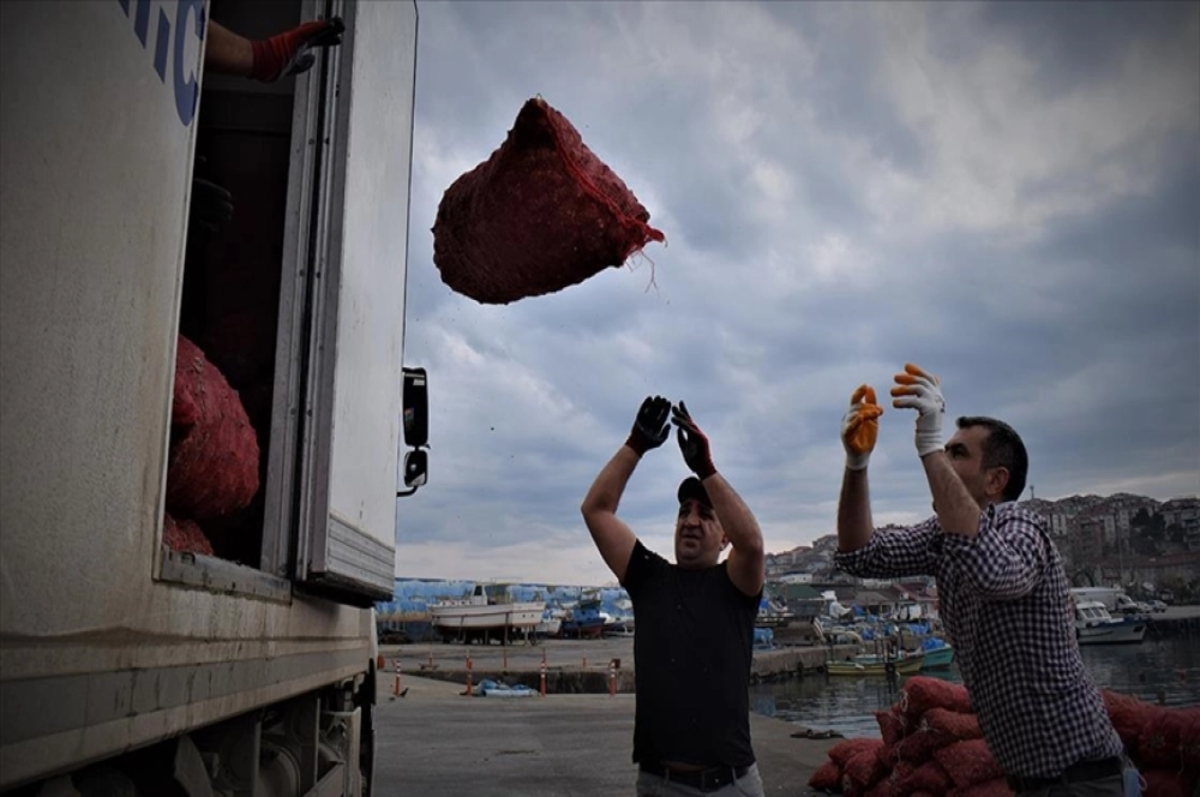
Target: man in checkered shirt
<point x="1003" y="592"/>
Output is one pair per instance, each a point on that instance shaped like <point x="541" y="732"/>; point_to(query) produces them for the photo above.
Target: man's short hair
<point x="1003" y="448"/>
<point x="691" y="487"/>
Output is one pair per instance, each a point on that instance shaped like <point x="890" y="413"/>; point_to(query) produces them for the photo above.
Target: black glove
<point x="692" y="442"/>
<point x="650" y="429"/>
<point x="212" y="205"/>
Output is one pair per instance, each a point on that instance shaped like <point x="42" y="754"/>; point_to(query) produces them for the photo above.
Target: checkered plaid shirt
<point x="1005" y="602"/>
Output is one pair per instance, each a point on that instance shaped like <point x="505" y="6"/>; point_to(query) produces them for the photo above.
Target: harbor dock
<point x="573" y="666"/>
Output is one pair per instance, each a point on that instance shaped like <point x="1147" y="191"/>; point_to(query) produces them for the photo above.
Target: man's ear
<point x="997" y="480"/>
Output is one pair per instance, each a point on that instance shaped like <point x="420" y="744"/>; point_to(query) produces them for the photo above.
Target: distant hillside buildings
<point x="1124" y="539"/>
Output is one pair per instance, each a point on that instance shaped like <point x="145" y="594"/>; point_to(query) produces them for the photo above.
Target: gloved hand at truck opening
<point x="268" y="60"/>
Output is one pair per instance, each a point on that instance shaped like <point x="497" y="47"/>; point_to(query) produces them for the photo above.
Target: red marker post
<point x="396" y="669"/>
<point x="542" y="687"/>
<point x="470" y="693"/>
<point x="612" y="678"/>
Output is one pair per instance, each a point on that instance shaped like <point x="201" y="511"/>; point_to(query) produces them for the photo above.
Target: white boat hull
<point x="479" y="618"/>
<point x="1111" y="633"/>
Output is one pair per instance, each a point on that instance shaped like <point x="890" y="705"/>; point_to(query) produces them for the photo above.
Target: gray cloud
<point x="1006" y="194"/>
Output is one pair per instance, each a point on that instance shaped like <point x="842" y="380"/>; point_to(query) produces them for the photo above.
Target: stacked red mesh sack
<point x="213" y="465"/>
<point x="931" y="745"/>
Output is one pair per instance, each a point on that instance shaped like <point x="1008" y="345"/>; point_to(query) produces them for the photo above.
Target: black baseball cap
<point x="691" y="487"/>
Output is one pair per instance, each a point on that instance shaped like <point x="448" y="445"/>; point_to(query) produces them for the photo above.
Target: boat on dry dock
<point x="480" y="617"/>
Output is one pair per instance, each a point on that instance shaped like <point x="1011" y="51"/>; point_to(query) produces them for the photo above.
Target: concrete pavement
<point x="434" y="741"/>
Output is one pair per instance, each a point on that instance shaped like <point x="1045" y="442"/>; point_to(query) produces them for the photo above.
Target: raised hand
<point x="922" y="392"/>
<point x="650" y="428"/>
<point x="693" y="443"/>
<point x="860" y="427"/>
<point x="291" y="52"/>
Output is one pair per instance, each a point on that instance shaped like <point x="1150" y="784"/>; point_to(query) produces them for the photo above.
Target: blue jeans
<point x="748" y="785"/>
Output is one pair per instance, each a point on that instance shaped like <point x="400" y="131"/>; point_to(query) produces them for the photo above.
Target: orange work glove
<point x="860" y="427"/>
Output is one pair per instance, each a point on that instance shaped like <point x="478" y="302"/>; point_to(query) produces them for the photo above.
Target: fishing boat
<point x="939" y="654"/>
<point x="1094" y="625"/>
<point x="481" y="617"/>
<point x="872" y="664"/>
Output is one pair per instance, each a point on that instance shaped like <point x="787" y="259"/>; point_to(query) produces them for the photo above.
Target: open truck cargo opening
<point x="240" y="661"/>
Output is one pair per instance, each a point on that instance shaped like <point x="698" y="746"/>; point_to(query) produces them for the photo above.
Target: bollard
<point x="470" y="693"/>
<point x="396" y="669"/>
<point x="585" y="661"/>
<point x="431" y="658"/>
<point x="612" y="678"/>
<point x="542" y="686"/>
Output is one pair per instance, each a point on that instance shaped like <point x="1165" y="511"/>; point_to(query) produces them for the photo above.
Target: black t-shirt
<point x="692" y="647"/>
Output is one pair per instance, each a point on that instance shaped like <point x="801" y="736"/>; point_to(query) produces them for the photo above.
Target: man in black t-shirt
<point x="694" y="628"/>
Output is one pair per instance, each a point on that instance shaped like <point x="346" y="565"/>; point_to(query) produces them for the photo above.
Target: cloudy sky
<point x="1006" y="194"/>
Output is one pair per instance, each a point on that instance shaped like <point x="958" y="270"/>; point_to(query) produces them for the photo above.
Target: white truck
<point x="1113" y="598"/>
<point x="127" y="666"/>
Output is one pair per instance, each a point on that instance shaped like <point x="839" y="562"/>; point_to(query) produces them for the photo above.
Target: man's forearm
<point x="605" y="493"/>
<point x="957" y="511"/>
<point x="227" y="52"/>
<point x="854" y="524"/>
<point x="737" y="521"/>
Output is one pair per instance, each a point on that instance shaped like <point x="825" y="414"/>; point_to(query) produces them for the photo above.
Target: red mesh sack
<point x="1166" y="783"/>
<point x="1161" y="743"/>
<point x="996" y="787"/>
<point x="827" y="777"/>
<point x="884" y="788"/>
<point x="212" y="468"/>
<point x="922" y="693"/>
<point x="898" y="777"/>
<point x="1189" y="740"/>
<point x="929" y="777"/>
<point x="185" y="536"/>
<point x="542" y="213"/>
<point x="952" y="723"/>
<point x="865" y="769"/>
<point x="842" y="752"/>
<point x="919" y="746"/>
<point x="1128" y="716"/>
<point x="968" y="763"/>
<point x="891" y="727"/>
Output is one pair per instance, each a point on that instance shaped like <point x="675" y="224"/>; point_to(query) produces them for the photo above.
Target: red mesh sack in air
<point x="922" y="693"/>
<point x="953" y="723"/>
<point x="827" y="777"/>
<point x="842" y="752"/>
<point x="968" y="763"/>
<point x="212" y="469"/>
<point x="185" y="536"/>
<point x="541" y="214"/>
<point x="891" y="726"/>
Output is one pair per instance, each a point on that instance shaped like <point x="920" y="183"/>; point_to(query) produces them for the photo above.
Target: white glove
<point x="860" y="427"/>
<point x="922" y="392"/>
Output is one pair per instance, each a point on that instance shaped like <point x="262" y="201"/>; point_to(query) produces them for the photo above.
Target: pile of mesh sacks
<point x="932" y="745"/>
<point x="213" y="465"/>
